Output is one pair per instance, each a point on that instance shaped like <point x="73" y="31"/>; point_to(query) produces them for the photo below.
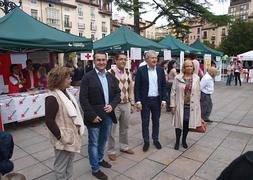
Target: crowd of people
<point x="107" y="98"/>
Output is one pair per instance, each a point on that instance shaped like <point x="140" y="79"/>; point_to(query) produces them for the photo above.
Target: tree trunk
<point x="136" y="16"/>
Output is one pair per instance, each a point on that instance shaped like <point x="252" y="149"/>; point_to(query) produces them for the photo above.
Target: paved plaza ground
<point x="208" y="154"/>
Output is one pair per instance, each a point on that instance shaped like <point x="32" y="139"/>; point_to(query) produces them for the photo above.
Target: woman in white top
<point x="229" y="73"/>
<point x="172" y="72"/>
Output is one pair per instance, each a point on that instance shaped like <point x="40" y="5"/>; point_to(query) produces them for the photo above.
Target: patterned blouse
<point x="187" y="91"/>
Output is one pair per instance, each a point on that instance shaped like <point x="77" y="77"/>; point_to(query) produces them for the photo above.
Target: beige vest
<point x="70" y="137"/>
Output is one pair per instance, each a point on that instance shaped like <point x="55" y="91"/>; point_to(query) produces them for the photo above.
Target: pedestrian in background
<point x="185" y="102"/>
<point x="237" y="72"/>
<point x="150" y="97"/>
<point x="230" y="70"/>
<point x="207" y="89"/>
<point x="172" y="72"/>
<point x="122" y="110"/>
<point x="99" y="95"/>
<point x="64" y="121"/>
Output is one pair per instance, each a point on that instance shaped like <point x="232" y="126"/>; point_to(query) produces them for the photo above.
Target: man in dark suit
<point x="99" y="95"/>
<point x="150" y="96"/>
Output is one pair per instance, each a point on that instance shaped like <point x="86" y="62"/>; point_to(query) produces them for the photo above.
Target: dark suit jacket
<point x="92" y="97"/>
<point x="141" y="86"/>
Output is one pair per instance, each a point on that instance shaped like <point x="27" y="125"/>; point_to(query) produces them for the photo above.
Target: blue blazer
<point x="141" y="86"/>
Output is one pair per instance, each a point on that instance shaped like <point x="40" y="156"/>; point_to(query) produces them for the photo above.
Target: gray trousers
<point x="63" y="164"/>
<point x="206" y="105"/>
<point x="122" y="112"/>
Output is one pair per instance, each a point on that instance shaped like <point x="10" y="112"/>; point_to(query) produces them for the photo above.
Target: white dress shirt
<point x="153" y="82"/>
<point x="207" y="84"/>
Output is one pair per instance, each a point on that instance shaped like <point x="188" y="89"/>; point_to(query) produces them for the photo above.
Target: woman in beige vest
<point x="64" y="121"/>
<point x="185" y="102"/>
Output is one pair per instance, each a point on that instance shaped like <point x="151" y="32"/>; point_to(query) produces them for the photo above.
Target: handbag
<point x="200" y="129"/>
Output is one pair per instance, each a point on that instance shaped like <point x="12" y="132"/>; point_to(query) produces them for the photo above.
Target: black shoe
<point x="157" y="145"/>
<point x="185" y="144"/>
<point x="105" y="164"/>
<point x="145" y="147"/>
<point x="208" y="120"/>
<point x="100" y="175"/>
<point x="176" y="147"/>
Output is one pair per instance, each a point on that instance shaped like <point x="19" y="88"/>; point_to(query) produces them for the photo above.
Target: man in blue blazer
<point x="150" y="96"/>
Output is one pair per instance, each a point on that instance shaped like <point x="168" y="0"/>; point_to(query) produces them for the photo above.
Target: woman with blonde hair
<point x="185" y="102"/>
<point x="64" y="121"/>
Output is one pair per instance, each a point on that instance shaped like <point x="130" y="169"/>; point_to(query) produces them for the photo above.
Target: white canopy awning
<point x="247" y="56"/>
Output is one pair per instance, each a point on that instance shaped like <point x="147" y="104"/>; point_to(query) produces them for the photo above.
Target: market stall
<point x="21" y="34"/>
<point x="20" y="107"/>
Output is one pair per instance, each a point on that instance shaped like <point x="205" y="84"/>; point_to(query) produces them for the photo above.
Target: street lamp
<point x="6" y="6"/>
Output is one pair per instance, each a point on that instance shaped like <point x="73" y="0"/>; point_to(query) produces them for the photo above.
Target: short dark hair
<point x="98" y="52"/>
<point x="28" y="60"/>
<point x="12" y="67"/>
<point x="192" y="56"/>
<point x="118" y="54"/>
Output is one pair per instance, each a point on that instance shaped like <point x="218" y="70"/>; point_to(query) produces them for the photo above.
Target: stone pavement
<point x="229" y="136"/>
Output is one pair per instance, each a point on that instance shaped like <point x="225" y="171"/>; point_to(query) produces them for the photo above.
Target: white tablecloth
<point x="25" y="106"/>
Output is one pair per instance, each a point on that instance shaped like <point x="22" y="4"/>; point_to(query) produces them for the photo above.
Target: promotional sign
<point x="167" y="54"/>
<point x="207" y="62"/>
<point x="219" y="67"/>
<point x="19" y="59"/>
<point x="39" y="57"/>
<point x="135" y="53"/>
<point x="86" y="56"/>
<point x="181" y="60"/>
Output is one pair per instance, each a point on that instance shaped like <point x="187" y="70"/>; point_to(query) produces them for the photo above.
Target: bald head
<point x="212" y="71"/>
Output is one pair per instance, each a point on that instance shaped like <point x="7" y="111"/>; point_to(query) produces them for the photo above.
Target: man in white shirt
<point x="207" y="88"/>
<point x="150" y="97"/>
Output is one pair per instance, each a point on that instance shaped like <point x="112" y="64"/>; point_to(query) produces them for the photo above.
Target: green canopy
<point x="20" y="32"/>
<point x="197" y="44"/>
<point x="124" y="39"/>
<point x="175" y="45"/>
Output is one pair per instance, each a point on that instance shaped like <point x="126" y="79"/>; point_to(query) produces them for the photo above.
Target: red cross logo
<point x="88" y="56"/>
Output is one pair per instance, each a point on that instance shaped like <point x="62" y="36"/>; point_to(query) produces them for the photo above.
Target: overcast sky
<point x="217" y="8"/>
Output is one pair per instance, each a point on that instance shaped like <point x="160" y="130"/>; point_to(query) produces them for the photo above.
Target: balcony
<point x="104" y="29"/>
<point x="68" y="24"/>
<point x="81" y="26"/>
<point x="93" y="27"/>
<point x="53" y="22"/>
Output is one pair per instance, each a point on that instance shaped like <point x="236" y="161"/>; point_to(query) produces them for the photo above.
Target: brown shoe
<point x="129" y="151"/>
<point x="112" y="157"/>
<point x="100" y="175"/>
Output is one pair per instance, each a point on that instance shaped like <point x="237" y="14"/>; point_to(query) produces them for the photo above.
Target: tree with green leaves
<point x="177" y="13"/>
<point x="239" y="39"/>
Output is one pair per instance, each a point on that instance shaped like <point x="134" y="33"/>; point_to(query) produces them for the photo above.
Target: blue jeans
<point x="97" y="138"/>
<point x="229" y="79"/>
<point x="153" y="106"/>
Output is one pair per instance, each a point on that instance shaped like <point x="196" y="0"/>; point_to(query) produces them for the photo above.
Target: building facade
<point x="241" y="9"/>
<point x="91" y="19"/>
<point x="203" y="31"/>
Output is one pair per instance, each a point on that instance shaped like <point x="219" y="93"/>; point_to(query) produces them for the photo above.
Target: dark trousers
<point x="237" y="77"/>
<point x="169" y="85"/>
<point x="206" y="106"/>
<point x="153" y="106"/>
